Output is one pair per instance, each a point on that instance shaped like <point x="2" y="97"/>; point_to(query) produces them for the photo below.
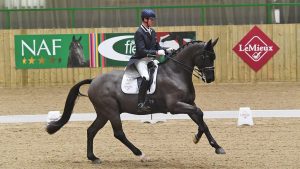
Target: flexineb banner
<point x="117" y="48"/>
<point x="85" y="50"/>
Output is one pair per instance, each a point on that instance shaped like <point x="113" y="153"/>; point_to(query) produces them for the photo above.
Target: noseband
<point x="200" y="72"/>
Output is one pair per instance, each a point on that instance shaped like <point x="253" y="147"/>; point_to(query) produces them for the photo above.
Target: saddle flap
<point x="129" y="83"/>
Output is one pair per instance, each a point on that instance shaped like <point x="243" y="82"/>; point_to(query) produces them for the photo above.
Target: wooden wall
<point x="283" y="67"/>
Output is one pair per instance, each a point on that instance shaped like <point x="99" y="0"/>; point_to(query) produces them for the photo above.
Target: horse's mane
<point x="174" y="53"/>
<point x="183" y="47"/>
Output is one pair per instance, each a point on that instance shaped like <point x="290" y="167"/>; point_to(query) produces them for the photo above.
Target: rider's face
<point x="151" y="21"/>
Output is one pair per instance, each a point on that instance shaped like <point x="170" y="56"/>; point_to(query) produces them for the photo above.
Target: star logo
<point x="59" y="60"/>
<point x="42" y="60"/>
<point x="31" y="60"/>
<point x="24" y="61"/>
<point x="52" y="59"/>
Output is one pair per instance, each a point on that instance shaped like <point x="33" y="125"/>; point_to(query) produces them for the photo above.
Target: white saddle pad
<point x="129" y="82"/>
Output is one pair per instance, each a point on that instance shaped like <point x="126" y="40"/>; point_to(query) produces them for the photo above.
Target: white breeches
<point x="141" y="66"/>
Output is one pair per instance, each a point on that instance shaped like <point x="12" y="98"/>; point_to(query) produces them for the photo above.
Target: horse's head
<point x="205" y="61"/>
<point x="76" y="55"/>
<point x="75" y="44"/>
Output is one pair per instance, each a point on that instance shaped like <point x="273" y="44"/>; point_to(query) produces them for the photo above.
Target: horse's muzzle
<point x="210" y="80"/>
<point x="208" y="75"/>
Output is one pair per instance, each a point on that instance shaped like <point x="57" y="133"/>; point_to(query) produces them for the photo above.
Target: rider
<point x="147" y="48"/>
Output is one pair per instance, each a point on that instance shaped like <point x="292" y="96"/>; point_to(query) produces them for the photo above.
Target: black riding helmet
<point x="148" y="13"/>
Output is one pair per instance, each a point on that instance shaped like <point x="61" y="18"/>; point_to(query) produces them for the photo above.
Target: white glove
<point x="161" y="52"/>
<point x="169" y="50"/>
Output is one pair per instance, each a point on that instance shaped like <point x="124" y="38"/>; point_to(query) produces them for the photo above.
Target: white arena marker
<point x="245" y="116"/>
<point x="53" y="116"/>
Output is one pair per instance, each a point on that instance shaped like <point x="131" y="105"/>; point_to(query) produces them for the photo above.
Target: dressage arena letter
<point x="245" y="116"/>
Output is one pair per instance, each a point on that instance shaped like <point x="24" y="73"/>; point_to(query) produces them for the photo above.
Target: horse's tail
<point x="54" y="126"/>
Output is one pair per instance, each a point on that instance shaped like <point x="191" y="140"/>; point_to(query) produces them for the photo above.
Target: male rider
<point x="147" y="48"/>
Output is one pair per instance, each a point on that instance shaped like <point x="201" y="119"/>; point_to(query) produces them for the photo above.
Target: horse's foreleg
<point x="197" y="115"/>
<point x="91" y="132"/>
<point x="203" y="127"/>
<point x="197" y="136"/>
<point x="120" y="135"/>
<point x="181" y="107"/>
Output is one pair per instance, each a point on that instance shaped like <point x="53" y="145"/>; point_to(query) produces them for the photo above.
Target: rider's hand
<point x="169" y="50"/>
<point x="161" y="53"/>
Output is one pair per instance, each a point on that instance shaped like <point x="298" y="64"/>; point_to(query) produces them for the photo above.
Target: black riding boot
<point x="142" y="106"/>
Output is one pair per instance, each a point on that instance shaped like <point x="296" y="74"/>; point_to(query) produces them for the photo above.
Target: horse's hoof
<point x="96" y="161"/>
<point x="220" y="151"/>
<point x="195" y="139"/>
<point x="144" y="158"/>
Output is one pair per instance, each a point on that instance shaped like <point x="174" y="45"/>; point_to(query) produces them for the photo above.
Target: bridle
<point x="199" y="72"/>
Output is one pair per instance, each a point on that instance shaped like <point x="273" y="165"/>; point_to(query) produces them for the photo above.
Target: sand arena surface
<point x="271" y="143"/>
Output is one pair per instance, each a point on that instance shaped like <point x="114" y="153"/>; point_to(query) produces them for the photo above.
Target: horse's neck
<point x="181" y="65"/>
<point x="184" y="57"/>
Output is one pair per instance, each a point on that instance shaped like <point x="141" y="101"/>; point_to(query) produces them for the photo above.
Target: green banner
<point x="51" y="51"/>
<point x="85" y="50"/>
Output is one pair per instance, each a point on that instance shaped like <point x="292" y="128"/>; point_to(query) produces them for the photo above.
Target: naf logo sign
<point x="256" y="48"/>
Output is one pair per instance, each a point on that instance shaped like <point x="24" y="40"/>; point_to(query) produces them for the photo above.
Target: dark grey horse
<point x="175" y="93"/>
<point x="76" y="55"/>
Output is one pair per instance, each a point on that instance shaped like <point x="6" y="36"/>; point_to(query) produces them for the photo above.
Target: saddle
<point x="131" y="79"/>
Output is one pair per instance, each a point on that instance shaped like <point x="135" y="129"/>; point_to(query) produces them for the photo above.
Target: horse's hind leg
<point x="120" y="135"/>
<point x="198" y="118"/>
<point x="91" y="132"/>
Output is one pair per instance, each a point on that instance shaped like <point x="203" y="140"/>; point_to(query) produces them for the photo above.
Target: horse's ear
<point x="208" y="45"/>
<point x="215" y="42"/>
<point x="79" y="38"/>
<point x="73" y="39"/>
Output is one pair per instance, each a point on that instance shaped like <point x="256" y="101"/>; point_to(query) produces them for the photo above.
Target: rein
<point x="199" y="72"/>
<point x="191" y="69"/>
<point x="185" y="67"/>
<point x="188" y="68"/>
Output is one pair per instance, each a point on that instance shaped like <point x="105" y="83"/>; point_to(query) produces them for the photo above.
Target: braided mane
<point x="183" y="47"/>
<point x="174" y="53"/>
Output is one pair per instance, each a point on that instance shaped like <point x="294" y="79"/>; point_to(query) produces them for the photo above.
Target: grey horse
<point x="175" y="93"/>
